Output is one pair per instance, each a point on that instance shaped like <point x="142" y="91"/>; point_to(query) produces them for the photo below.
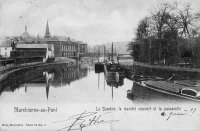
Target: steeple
<point x="47" y="33"/>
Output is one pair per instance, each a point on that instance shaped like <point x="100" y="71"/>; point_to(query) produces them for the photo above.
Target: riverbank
<point x="5" y="72"/>
<point x="129" y="65"/>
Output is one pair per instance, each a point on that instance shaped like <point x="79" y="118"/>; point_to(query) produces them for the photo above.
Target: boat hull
<point x="177" y="94"/>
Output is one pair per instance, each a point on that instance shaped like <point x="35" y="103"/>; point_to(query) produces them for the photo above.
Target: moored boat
<point x="99" y="67"/>
<point x="186" y="92"/>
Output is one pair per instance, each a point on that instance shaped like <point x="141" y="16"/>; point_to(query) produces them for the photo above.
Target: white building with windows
<point x="5" y="48"/>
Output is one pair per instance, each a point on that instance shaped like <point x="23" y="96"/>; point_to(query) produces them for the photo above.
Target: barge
<point x="173" y="88"/>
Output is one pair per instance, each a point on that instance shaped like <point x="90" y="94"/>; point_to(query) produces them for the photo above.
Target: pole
<point x="112" y="52"/>
<point x="98" y="53"/>
<point x="104" y="53"/>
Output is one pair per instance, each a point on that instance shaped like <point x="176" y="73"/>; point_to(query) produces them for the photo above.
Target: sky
<point x="91" y="21"/>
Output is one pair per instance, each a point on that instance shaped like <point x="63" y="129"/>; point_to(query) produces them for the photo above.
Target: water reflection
<point x="42" y="81"/>
<point x="66" y="75"/>
<point x="14" y="80"/>
<point x="114" y="79"/>
<point x="52" y="77"/>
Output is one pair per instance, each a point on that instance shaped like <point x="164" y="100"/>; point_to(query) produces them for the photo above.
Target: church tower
<point x="47" y="33"/>
<point x="25" y="35"/>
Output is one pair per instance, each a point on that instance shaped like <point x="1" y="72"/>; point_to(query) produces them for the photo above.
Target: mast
<point x="98" y="53"/>
<point x="104" y="52"/>
<point x="112" y="52"/>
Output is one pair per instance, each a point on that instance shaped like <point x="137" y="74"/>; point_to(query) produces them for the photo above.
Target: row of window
<point x="66" y="47"/>
<point x="68" y="54"/>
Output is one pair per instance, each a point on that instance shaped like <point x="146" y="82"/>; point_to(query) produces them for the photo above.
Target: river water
<point x="80" y="84"/>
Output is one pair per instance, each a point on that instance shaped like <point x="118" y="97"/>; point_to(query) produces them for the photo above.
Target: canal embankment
<point x="20" y="70"/>
<point x="129" y="65"/>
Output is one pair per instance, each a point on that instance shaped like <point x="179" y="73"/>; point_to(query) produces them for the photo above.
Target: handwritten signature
<point x="182" y="113"/>
<point x="83" y="120"/>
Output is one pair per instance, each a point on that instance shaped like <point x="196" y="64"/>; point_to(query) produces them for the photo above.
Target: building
<point x="82" y="48"/>
<point x="64" y="46"/>
<point x="55" y="42"/>
<point x="68" y="48"/>
<point x="28" y="53"/>
<point x="5" y="48"/>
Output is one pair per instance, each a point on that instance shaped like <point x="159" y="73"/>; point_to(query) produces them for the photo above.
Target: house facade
<point x="5" y="48"/>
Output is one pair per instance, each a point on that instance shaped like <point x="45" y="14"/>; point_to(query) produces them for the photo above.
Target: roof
<point x="32" y="46"/>
<point x="62" y="38"/>
<point x="5" y="43"/>
<point x="52" y="39"/>
<point x="81" y="42"/>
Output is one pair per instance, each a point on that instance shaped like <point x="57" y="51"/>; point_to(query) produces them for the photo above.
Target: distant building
<point x="28" y="53"/>
<point x="68" y="48"/>
<point x="82" y="48"/>
<point x="5" y="48"/>
<point x="64" y="46"/>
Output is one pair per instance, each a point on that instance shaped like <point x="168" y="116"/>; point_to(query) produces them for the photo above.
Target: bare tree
<point x="158" y="16"/>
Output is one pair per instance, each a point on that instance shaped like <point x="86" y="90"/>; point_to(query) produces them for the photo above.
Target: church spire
<point x="47" y="33"/>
